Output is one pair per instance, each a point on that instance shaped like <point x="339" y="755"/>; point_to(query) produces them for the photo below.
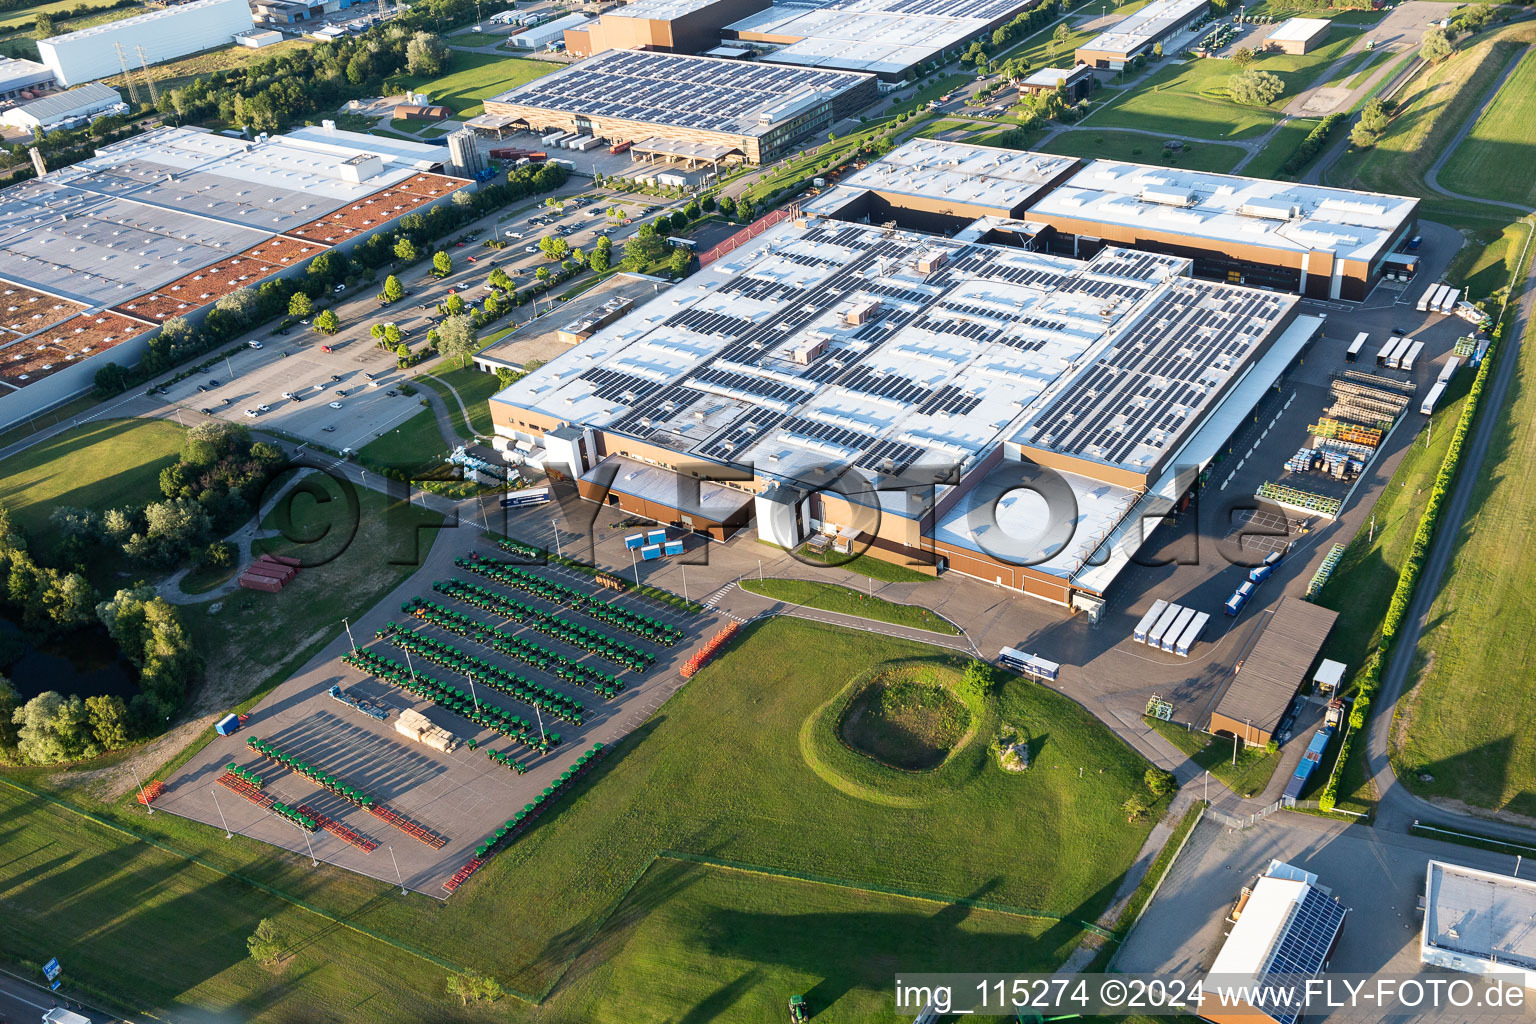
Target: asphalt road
<point x="22" y="1001"/>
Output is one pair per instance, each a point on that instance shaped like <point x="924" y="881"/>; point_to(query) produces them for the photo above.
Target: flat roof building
<point x="18" y="76"/>
<point x="674" y="26"/>
<point x="1256" y="698"/>
<point x="732" y="110"/>
<point x="164" y="34"/>
<point x="1298" y="35"/>
<point x="69" y="109"/>
<point x="1287" y="926"/>
<point x="1478" y="922"/>
<point x="1075" y="82"/>
<point x="883" y="37"/>
<point x="1324" y="243"/>
<point x="1136" y="34"/>
<point x="94" y="257"/>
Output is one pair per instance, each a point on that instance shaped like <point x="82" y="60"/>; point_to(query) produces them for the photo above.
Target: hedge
<point x="1368" y="680"/>
<point x="1312" y="145"/>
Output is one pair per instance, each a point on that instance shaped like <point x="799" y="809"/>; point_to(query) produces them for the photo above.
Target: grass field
<point x="867" y="565"/>
<point x="1482" y="269"/>
<point x="833" y="598"/>
<point x="1247" y="777"/>
<point x="180" y="72"/>
<point x="1267" y="163"/>
<point x="1429" y="112"/>
<point x="1090" y="143"/>
<point x="101" y="465"/>
<point x="475" y="388"/>
<point x="742" y="766"/>
<point x="1190" y="98"/>
<point x="12" y="19"/>
<point x="408" y="446"/>
<point x="1495" y="159"/>
<point x="471" y="78"/>
<point x="1463" y="667"/>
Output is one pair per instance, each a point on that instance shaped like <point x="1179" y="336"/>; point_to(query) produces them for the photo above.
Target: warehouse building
<point x="700" y="109"/>
<point x="674" y="26"/>
<point x="1325" y="243"/>
<point x="1254" y="700"/>
<point x="1286" y="928"/>
<point x="96" y="256"/>
<point x="163" y="34"/>
<point x="882" y="37"/>
<point x="539" y="37"/>
<point x="1075" y="83"/>
<point x="23" y="79"/>
<point x="1479" y="922"/>
<point x="1135" y="36"/>
<point x="944" y="403"/>
<point x="69" y="109"/>
<point x="1298" y="35"/>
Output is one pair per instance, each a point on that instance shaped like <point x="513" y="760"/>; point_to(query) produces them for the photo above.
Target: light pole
<point x="312" y="861"/>
<point x="554" y="525"/>
<point x="227" y="833"/>
<point x="472" y="693"/>
<point x="541" y="721"/>
<point x="759" y="570"/>
<point x="398" y="876"/>
<point x="350" y="640"/>
<point x="142" y="797"/>
<point x="634" y="566"/>
<point x="685" y="585"/>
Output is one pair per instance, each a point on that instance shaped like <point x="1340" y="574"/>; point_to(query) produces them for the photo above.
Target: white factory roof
<point x="1051" y="77"/>
<point x="1145" y="25"/>
<point x="172" y="12"/>
<point x="1299" y="29"/>
<point x="328" y="139"/>
<point x="877" y="36"/>
<point x="62" y="105"/>
<point x="1230" y="209"/>
<point x="1480" y="915"/>
<point x="965" y="173"/>
<point x="658" y="10"/>
<point x="156" y="207"/>
<point x="17" y="71"/>
<point x="1117" y="550"/>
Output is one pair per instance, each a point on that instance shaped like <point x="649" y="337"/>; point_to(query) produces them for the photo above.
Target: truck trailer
<point x="1171" y="637"/>
<point x="1139" y="634"/>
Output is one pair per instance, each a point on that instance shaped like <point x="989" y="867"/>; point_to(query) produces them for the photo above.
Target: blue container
<point x="650" y="551"/>
<point x="655" y="536"/>
<point x="674" y="547"/>
<point x="227" y="725"/>
<point x="634" y="541"/>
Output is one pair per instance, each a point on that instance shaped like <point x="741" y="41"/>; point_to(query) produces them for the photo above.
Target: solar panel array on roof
<point x="1304" y="948"/>
<point x="741" y="434"/>
<point x="614" y="386"/>
<point x="702" y="93"/>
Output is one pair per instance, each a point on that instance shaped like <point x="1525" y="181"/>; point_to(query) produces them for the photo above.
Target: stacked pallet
<point x="269" y="573"/>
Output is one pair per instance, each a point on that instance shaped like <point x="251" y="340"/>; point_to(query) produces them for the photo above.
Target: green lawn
<point x="1279" y="149"/>
<point x="475" y="388"/>
<point x="101" y="465"/>
<point x="743" y="765"/>
<point x="1495" y="160"/>
<point x="1190" y="98"/>
<point x="10" y="20"/>
<point x="1090" y="143"/>
<point x="471" y="77"/>
<point x="1463" y="665"/>
<point x="1482" y="269"/>
<point x="412" y="444"/>
<point x="833" y="598"/>
<point x="868" y="565"/>
<point x="1428" y="113"/>
<point x="1247" y="777"/>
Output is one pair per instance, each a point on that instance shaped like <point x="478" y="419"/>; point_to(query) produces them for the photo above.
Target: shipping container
<point x="1139" y="634"/>
<point x="635" y="541"/>
<point x="655" y="536"/>
<point x="1309" y="764"/>
<point x="1028" y="664"/>
<point x="1386" y="350"/>
<point x="1448" y="299"/>
<point x="650" y="552"/>
<point x="673" y="547"/>
<point x="1259" y="574"/>
<point x="1423" y="303"/>
<point x="1410" y="357"/>
<point x="227" y="725"/>
<point x="526" y="496"/>
<point x="1428" y="405"/>
<point x="619" y="147"/>
<point x="1399" y="348"/>
<point x="1155" y="636"/>
<point x="1171" y="635"/>
<point x="1239" y="598"/>
<point x="1353" y="353"/>
<point x="1448" y="370"/>
<point x="1191" y="634"/>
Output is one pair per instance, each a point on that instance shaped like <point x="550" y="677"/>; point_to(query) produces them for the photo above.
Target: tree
<point x="394" y="291"/>
<point x="554" y="248"/>
<point x="728" y="207"/>
<point x="109" y="721"/>
<point x="598" y="261"/>
<point x="220" y="554"/>
<point x="457" y="339"/>
<point x="300" y="305"/>
<point x="392" y="334"/>
<point x="42" y="25"/>
<point x="239" y="305"/>
<point x="499" y="279"/>
<point x="442" y="263"/>
<point x="10" y="700"/>
<point x="1160" y="782"/>
<point x="265" y="943"/>
<point x="1255" y="88"/>
<point x="1373" y="122"/>
<point x="505" y="378"/>
<point x="1244" y="56"/>
<point x="491" y="307"/>
<point x="327" y="322"/>
<point x="1436" y="45"/>
<point x="679" y="220"/>
<point x="1059" y="37"/>
<point x="645" y="248"/>
<point x="1157" y="51"/>
<point x="403" y="355"/>
<point x="52" y="728"/>
<point x="679" y="261"/>
<point x="542" y="274"/>
<point x="405" y="250"/>
<point x="454" y="305"/>
<point x="474" y="986"/>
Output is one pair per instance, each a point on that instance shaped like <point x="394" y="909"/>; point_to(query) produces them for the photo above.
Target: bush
<point x="1313" y="144"/>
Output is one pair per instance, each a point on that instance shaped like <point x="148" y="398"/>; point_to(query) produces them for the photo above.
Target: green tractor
<point x="798" y="1012"/>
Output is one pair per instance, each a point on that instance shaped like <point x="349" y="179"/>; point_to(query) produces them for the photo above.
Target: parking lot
<point x="462" y="795"/>
<point x="1378" y="876"/>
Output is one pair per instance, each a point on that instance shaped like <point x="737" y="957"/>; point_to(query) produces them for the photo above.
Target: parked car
<point x="335" y="405"/>
<point x="251" y="413"/>
<point x="339" y="289"/>
<point x="263" y="408"/>
<point x="213" y="382"/>
<point x="327" y="428"/>
<point x="288" y="395"/>
<point x="326" y="349"/>
<point x="226" y="401"/>
<point x="471" y="259"/>
<point x="335" y="376"/>
<point x="530" y="248"/>
<point x="202" y="387"/>
<point x="207" y="412"/>
<point x="253" y="344"/>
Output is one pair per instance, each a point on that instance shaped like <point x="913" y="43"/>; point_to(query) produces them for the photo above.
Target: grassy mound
<point x="907" y="718"/>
